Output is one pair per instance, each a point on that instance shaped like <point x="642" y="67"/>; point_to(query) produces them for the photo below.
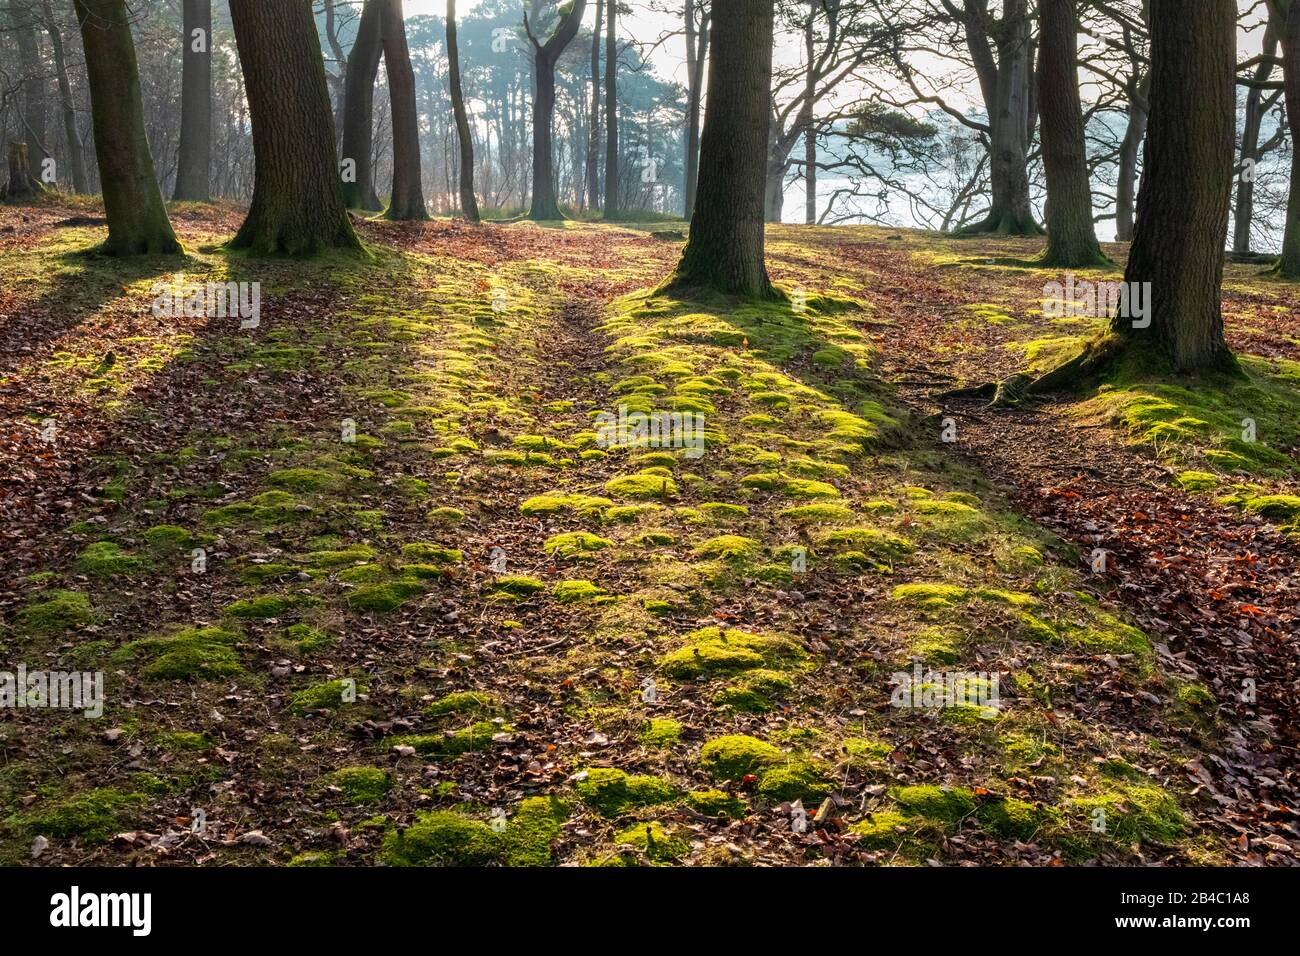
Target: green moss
<point x="517" y="586"/>
<point x="661" y="732"/>
<point x="361" y="785"/>
<point x="446" y="516"/>
<point x="187" y="654"/>
<point x="576" y="592"/>
<point x="1196" y="481"/>
<point x="573" y="544"/>
<point x="105" y="559"/>
<point x="742" y="699"/>
<point x="611" y="792"/>
<point x="1011" y="818"/>
<point x="656" y="843"/>
<point x="49" y="612"/>
<point x="881" y="545"/>
<point x="1278" y="508"/>
<point x="431" y="554"/>
<point x="261" y="574"/>
<point x="327" y="695"/>
<point x="1131" y="813"/>
<point x="338" y="558"/>
<point x="385" y="597"/>
<point x="653" y="539"/>
<point x="91" y="816"/>
<point x="712" y="651"/>
<point x="535" y="827"/>
<point x="642" y="486"/>
<point x="556" y="502"/>
<point x="182" y="741"/>
<point x="822" y="513"/>
<point x="729" y="547"/>
<point x="441" y="838"/>
<point x="948" y="805"/>
<point x="796" y="780"/>
<point x="265" y="606"/>
<point x="477" y="736"/>
<point x="887" y="829"/>
<point x="462" y="702"/>
<point x="721" y="511"/>
<point x="311" y="858"/>
<point x="716" y="803"/>
<point x="931" y="596"/>
<point x="308" y="638"/>
<point x="733" y="756"/>
<point x="306" y="480"/>
<point x="168" y="538"/>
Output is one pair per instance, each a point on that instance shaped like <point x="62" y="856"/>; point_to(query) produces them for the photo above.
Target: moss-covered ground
<point x="440" y="618"/>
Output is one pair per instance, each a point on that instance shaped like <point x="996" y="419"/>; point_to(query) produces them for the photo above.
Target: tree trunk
<point x="592" y="171"/>
<point x="76" y="154"/>
<point x="468" y="202"/>
<point x="359" y="108"/>
<point x="611" y="111"/>
<point x="725" y="251"/>
<point x="194" y="163"/>
<point x="696" y="53"/>
<point x="807" y="118"/>
<point x="1009" y="122"/>
<point x="545" y="55"/>
<point x="133" y="203"/>
<point x="297" y="206"/>
<point x="32" y="115"/>
<point x="21" y="183"/>
<point x="1289" y="264"/>
<point x="1182" y="217"/>
<point x="407" y="200"/>
<point x="1071" y="236"/>
<point x="1244" y="208"/>
<point x="1139" y="112"/>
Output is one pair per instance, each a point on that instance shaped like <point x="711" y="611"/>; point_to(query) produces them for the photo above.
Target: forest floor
<point x="468" y="630"/>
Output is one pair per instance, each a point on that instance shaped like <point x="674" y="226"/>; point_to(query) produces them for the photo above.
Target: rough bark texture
<point x="1182" y="218"/>
<point x="195" y="161"/>
<point x="807" y="118"/>
<point x="697" y="47"/>
<point x="407" y="201"/>
<point x="76" y="152"/>
<point x="32" y="115"/>
<point x="133" y="203"/>
<point x="545" y="56"/>
<point x="297" y="206"/>
<point x="21" y="183"/>
<point x="725" y="251"/>
<point x="1071" y="236"/>
<point x="591" y="173"/>
<point x="611" y="111"/>
<point x="1139" y="113"/>
<point x="468" y="201"/>
<point x="359" y="107"/>
<point x="1289" y="264"/>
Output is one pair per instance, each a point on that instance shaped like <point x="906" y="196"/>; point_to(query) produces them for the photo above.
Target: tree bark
<point x="468" y="201"/>
<point x="297" y="206"/>
<point x="133" y="203"/>
<point x="697" y="48"/>
<point x="76" y="152"/>
<point x="1288" y="265"/>
<point x="195" y="161"/>
<point x="807" y="118"/>
<point x="21" y="184"/>
<point x="1139" y="112"/>
<point x="32" y="119"/>
<point x="545" y="206"/>
<point x="407" y="201"/>
<point x="1071" y="236"/>
<point x="1182" y="217"/>
<point x="592" y="171"/>
<point x="359" y="107"/>
<point x="725" y="251"/>
<point x="611" y="111"/>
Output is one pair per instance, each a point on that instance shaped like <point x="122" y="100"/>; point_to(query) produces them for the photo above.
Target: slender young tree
<point x="1252" y="150"/>
<point x="545" y="55"/>
<point x="697" y="47"/>
<point x="611" y="111"/>
<point x="725" y="251"/>
<point x="592" y="171"/>
<point x="133" y="203"/>
<point x="468" y="201"/>
<point x="32" y="119"/>
<point x="195" y="160"/>
<point x="1071" y="236"/>
<point x="1288" y="265"/>
<point x="1182" y="214"/>
<point x="407" y="201"/>
<point x="359" y="109"/>
<point x="76" y="153"/>
<point x="297" y="206"/>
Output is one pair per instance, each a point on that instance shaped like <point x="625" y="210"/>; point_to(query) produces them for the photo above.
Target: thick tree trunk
<point x="195" y="161"/>
<point x="1289" y="264"/>
<point x="407" y="200"/>
<point x="1244" y="208"/>
<point x="1182" y="217"/>
<point x="297" y="206"/>
<point x="32" y="116"/>
<point x="133" y="203"/>
<point x="545" y="206"/>
<point x="21" y="183"/>
<point x="592" y="170"/>
<point x="1139" y="112"/>
<point x="611" y="111"/>
<point x="1009" y="120"/>
<point x="359" y="108"/>
<point x="468" y="201"/>
<point x="725" y="251"/>
<point x="76" y="153"/>
<point x="1071" y="236"/>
